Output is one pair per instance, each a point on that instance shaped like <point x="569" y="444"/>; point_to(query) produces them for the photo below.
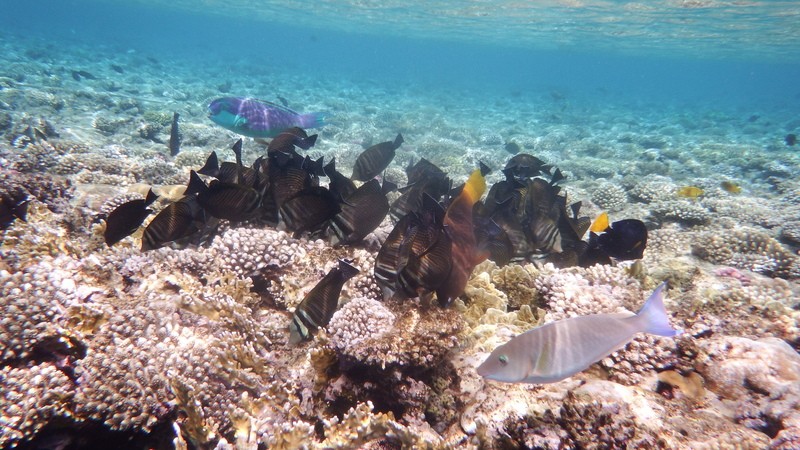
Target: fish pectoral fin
<point x="239" y="121"/>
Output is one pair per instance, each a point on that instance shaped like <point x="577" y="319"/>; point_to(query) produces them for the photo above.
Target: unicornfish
<point x="558" y="350"/>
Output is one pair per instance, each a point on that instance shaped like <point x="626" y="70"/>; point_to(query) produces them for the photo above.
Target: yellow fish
<point x="690" y="192"/>
<point x="600" y="224"/>
<point x="730" y="187"/>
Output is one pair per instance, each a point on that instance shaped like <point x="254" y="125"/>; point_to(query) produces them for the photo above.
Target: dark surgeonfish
<point x="259" y="118"/>
<point x="225" y="200"/>
<point x="288" y="139"/>
<point x="427" y="255"/>
<point x="176" y="221"/>
<point x="127" y="218"/>
<point x="623" y="240"/>
<point x="415" y="258"/>
<point x="13" y="205"/>
<point x="523" y="166"/>
<point x="460" y="228"/>
<point x="175" y="136"/>
<point x="362" y="212"/>
<point x="230" y="171"/>
<point x="424" y="178"/>
<point x="320" y="303"/>
<point x="309" y="210"/>
<point x="790" y="139"/>
<point x="340" y="186"/>
<point x="375" y="159"/>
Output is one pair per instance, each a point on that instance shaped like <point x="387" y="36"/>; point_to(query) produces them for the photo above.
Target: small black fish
<point x="790" y="139"/>
<point x="424" y="170"/>
<point x="117" y="68"/>
<point x="426" y="255"/>
<point x="389" y="260"/>
<point x="77" y="75"/>
<point x="424" y="178"/>
<point x="320" y="303"/>
<point x="176" y="221"/>
<point x="309" y="210"/>
<point x="623" y="240"/>
<point x="375" y="159"/>
<point x="415" y="258"/>
<point x="753" y="118"/>
<point x="340" y="186"/>
<point x="288" y="139"/>
<point x="13" y="206"/>
<point x="224" y="200"/>
<point x="175" y="136"/>
<point x="127" y="217"/>
<point x="489" y="235"/>
<point x="287" y="182"/>
<point x="523" y="166"/>
<point x="283" y="101"/>
<point x="361" y="213"/>
<point x="512" y="147"/>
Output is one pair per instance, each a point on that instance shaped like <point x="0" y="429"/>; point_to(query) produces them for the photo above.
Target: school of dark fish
<point x="440" y="232"/>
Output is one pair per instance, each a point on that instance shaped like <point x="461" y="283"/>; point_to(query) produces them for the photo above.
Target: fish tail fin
<point x="654" y="316"/>
<point x="348" y="270"/>
<point x="313" y="120"/>
<point x="475" y="186"/>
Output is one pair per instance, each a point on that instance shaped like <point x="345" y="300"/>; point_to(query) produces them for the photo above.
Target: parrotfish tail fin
<point x="312" y="120"/>
<point x="398" y="141"/>
<point x="475" y="186"/>
<point x="654" y="316"/>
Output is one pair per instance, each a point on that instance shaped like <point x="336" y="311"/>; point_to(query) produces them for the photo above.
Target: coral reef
<point x="610" y="196"/>
<point x="746" y="248"/>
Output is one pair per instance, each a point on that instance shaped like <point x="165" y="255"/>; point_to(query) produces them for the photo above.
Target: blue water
<point x="749" y="63"/>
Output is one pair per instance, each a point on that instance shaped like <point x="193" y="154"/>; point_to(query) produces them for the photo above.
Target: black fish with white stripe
<point x="176" y="221"/>
<point x="375" y="159"/>
<point x="320" y="303"/>
<point x="362" y="212"/>
<point x="127" y="218"/>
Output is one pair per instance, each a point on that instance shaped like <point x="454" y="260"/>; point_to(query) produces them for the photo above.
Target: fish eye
<point x="503" y="359"/>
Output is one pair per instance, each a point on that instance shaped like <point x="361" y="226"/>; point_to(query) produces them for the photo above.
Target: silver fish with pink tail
<point x="558" y="350"/>
<point x="259" y="118"/>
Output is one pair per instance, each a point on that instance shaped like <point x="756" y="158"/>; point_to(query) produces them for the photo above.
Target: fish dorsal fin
<point x="237" y="150"/>
<point x="150" y="198"/>
<point x="196" y="184"/>
<point x="211" y="167"/>
<point x="485" y="170"/>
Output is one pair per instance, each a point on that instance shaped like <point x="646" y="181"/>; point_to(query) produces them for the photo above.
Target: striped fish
<point x="560" y="349"/>
<point x="390" y="259"/>
<point x="375" y="159"/>
<point x="320" y="303"/>
<point x="458" y="223"/>
<point x="176" y="221"/>
<point x="309" y="210"/>
<point x="361" y="212"/>
<point x="127" y="217"/>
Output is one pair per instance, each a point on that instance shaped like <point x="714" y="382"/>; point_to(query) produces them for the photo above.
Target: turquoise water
<point x="717" y="54"/>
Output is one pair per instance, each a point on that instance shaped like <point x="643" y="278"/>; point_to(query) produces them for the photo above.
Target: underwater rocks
<point x="759" y="380"/>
